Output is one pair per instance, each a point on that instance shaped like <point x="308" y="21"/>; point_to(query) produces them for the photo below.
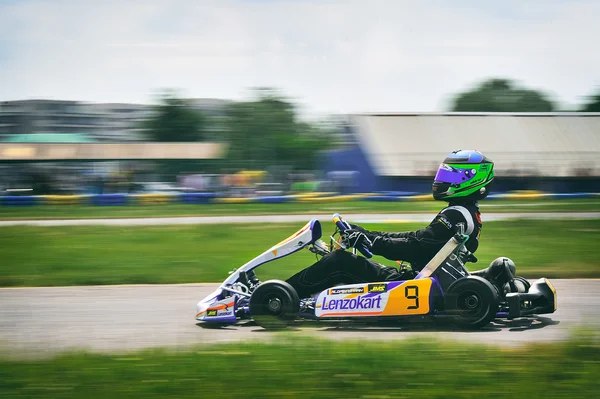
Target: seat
<point x="500" y="272"/>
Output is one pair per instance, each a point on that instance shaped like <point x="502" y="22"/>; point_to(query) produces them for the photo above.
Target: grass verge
<point x="139" y="211"/>
<point x="87" y="255"/>
<point x="312" y="368"/>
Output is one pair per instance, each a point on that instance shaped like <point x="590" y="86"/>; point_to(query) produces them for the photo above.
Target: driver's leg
<point x="339" y="267"/>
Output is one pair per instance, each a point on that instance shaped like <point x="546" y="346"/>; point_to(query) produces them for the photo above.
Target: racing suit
<point x="415" y="247"/>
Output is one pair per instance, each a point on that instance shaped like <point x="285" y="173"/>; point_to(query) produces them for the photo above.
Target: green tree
<point x="593" y="104"/>
<point x="174" y="120"/>
<point x="501" y="95"/>
<point x="266" y="132"/>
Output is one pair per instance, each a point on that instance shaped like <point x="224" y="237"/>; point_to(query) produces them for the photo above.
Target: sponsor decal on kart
<point x="358" y="303"/>
<point x="218" y="313"/>
<point x="376" y="299"/>
<point x="220" y="310"/>
<point x="364" y="299"/>
<point x="377" y="287"/>
<point x="345" y="291"/>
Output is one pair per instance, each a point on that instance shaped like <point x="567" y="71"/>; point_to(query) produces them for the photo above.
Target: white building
<point x="540" y="144"/>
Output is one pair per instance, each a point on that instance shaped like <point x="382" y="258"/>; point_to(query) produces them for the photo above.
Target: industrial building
<point x="401" y="152"/>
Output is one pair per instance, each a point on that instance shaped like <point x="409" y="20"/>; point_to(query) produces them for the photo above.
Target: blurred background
<point x="369" y="98"/>
<point x="261" y="147"/>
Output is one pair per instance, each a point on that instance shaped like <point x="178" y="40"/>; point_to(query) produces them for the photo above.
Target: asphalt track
<point x="44" y="321"/>
<point x="358" y="218"/>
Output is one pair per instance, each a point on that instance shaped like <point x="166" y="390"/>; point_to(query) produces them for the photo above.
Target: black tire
<point x="471" y="302"/>
<point x="274" y="305"/>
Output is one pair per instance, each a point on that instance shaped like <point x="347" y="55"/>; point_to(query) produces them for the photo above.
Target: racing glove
<point x="352" y="238"/>
<point x="366" y="232"/>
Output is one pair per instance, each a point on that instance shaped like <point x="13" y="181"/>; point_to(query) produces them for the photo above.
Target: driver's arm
<point x="407" y="245"/>
<point x="448" y="220"/>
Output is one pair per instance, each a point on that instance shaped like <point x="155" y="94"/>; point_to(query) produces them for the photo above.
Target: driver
<point x="462" y="179"/>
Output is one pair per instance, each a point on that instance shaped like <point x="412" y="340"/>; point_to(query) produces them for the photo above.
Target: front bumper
<point x="540" y="299"/>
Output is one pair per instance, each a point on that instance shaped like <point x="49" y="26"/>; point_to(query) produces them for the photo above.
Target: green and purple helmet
<point x="464" y="174"/>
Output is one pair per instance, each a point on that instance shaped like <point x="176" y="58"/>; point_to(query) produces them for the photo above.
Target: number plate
<point x="409" y="298"/>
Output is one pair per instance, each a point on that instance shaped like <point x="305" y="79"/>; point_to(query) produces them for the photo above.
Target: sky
<point x="327" y="56"/>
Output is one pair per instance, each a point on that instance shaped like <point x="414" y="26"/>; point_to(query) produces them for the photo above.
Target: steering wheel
<point x="342" y="226"/>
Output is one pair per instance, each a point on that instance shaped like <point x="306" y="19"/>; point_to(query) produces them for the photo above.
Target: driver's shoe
<point x="249" y="279"/>
<point x="252" y="278"/>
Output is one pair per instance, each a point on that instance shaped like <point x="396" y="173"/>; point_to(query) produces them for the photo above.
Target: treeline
<point x="259" y="133"/>
<point x="503" y="95"/>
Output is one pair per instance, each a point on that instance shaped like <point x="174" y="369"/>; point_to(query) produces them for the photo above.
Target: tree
<point x="266" y="132"/>
<point x="501" y="95"/>
<point x="593" y="104"/>
<point x="174" y="120"/>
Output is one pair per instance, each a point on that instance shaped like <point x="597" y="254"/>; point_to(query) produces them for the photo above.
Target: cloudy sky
<point x="329" y="56"/>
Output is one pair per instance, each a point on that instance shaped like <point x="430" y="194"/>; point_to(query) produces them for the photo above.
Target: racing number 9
<point x="414" y="296"/>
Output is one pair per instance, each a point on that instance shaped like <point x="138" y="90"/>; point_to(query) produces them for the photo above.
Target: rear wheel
<point x="471" y="302"/>
<point x="274" y="304"/>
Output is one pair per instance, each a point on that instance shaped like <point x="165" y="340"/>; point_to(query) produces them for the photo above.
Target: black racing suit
<point x="416" y="247"/>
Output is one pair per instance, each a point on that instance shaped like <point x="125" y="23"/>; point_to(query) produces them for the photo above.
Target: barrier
<point x="19" y="200"/>
<point x="392" y="198"/>
<point x="422" y="197"/>
<point x="236" y="200"/>
<point x="384" y="198"/>
<point x="62" y="199"/>
<point x="207" y="198"/>
<point x="196" y="198"/>
<point x="109" y="199"/>
<point x="314" y="194"/>
<point x="396" y="193"/>
<point x="154" y="199"/>
<point x="275" y="199"/>
<point x="519" y="195"/>
<point x="573" y="195"/>
<point x="333" y="198"/>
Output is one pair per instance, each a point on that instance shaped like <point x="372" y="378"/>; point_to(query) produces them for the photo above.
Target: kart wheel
<point x="274" y="304"/>
<point x="471" y="302"/>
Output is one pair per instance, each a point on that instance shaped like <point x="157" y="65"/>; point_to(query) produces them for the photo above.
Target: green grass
<point x="138" y="211"/>
<point x="296" y="367"/>
<point x="85" y="255"/>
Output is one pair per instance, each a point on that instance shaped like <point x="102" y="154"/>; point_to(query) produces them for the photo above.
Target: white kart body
<point x="215" y="309"/>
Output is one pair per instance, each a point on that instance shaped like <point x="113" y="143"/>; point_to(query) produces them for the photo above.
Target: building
<point x="103" y="122"/>
<point x="546" y="151"/>
<point x="48" y="116"/>
<point x="120" y="122"/>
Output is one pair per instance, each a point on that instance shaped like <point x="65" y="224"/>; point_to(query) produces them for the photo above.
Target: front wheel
<point x="471" y="302"/>
<point x="274" y="304"/>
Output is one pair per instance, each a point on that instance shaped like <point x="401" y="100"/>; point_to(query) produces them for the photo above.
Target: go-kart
<point x="443" y="289"/>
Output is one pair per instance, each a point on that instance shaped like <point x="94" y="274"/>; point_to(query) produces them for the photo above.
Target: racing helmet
<point x="464" y="174"/>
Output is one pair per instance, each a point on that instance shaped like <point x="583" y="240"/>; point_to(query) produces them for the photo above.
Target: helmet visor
<point x="451" y="175"/>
